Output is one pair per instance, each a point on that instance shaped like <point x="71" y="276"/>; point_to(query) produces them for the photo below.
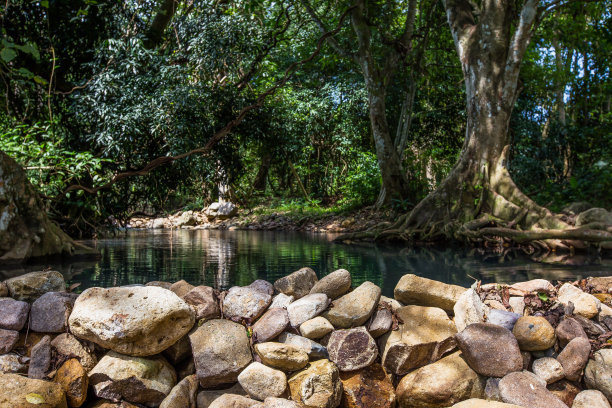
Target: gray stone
<point x="244" y="303"/>
<point x="548" y="369"/>
<point x="298" y="284"/>
<point x="67" y="346"/>
<point x="415" y="290"/>
<point x="352" y="349"/>
<point x="334" y="285"/>
<point x="489" y="349"/>
<point x="281" y="300"/>
<point x="380" y="322"/>
<point x="13" y="314"/>
<point x="590" y="399"/>
<point x="354" y="308"/>
<point x="599" y="215"/>
<point x="8" y="339"/>
<point x="32" y="285"/>
<point x="312" y="348"/>
<point x="306" y="308"/>
<point x="526" y="391"/>
<point x="574" y="357"/>
<point x="221" y="350"/>
<point x="503" y="318"/>
<point x="492" y="389"/>
<point x="204" y="302"/>
<point x="262" y="286"/>
<point x="469" y="309"/>
<point x="50" y="312"/>
<point x="183" y="395"/>
<point x="261" y="382"/>
<point x="40" y="359"/>
<point x="270" y="325"/>
<point x="598" y="372"/>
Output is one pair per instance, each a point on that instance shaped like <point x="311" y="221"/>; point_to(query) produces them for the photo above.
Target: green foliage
<point x="362" y="182"/>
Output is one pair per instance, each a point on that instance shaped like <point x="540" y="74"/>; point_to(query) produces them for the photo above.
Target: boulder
<point x="599" y="284"/>
<point x="66" y="345"/>
<point x="568" y="329"/>
<point x="598" y="372"/>
<point x="183" y="395"/>
<point x="31" y="286"/>
<point x="50" y="312"/>
<point x="221" y="350"/>
<point x="424" y="336"/>
<point x="334" y="285"/>
<point x="440" y="384"/>
<point x="13" y="363"/>
<point x="526" y="391"/>
<point x="585" y="305"/>
<point x="598" y="215"/>
<point x="187" y="219"/>
<point x="574" y="358"/>
<point x="316" y="328"/>
<point x="204" y="302"/>
<point x="8" y="339"/>
<point x="380" y="322"/>
<point x="534" y="333"/>
<point x="354" y="308"/>
<point x="161" y="284"/>
<point x="469" y="309"/>
<point x="273" y="322"/>
<point x="306" y="308"/>
<point x="352" y="349"/>
<point x="181" y="288"/>
<point x="17" y="392"/>
<point x="13" y="314"/>
<point x="281" y="300"/>
<point x="261" y="382"/>
<point x="480" y="403"/>
<point x="590" y="399"/>
<point x="74" y="381"/>
<point x="548" y="369"/>
<point x="317" y="386"/>
<point x="312" y="348"/>
<point x="415" y="290"/>
<point x="40" y="359"/>
<point x="138" y="321"/>
<point x="298" y="284"/>
<point x="489" y="349"/>
<point x="233" y="401"/>
<point x="534" y="285"/>
<point x="244" y="303"/>
<point x="503" y="318"/>
<point x="179" y="351"/>
<point x="285" y="357"/>
<point x="223" y="211"/>
<point x="369" y="387"/>
<point x="141" y="380"/>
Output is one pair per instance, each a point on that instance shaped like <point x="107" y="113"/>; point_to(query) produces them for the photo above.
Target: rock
<point x="479" y="403"/>
<point x="584" y="304"/>
<point x="183" y="395"/>
<point x="527" y="359"/>
<point x="32" y="285"/>
<point x="139" y="321"/>
<point x="233" y="401"/>
<point x="161" y="284"/>
<point x="590" y="399"/>
<point x="367" y="388"/>
<point x="3" y="289"/>
<point x="270" y="325"/>
<point x="245" y="303"/>
<point x="548" y="369"/>
<point x="312" y="348"/>
<point x="261" y="382"/>
<point x="74" y="381"/>
<point x="181" y="288"/>
<point x="534" y="333"/>
<point x="574" y="357"/>
<point x="415" y="290"/>
<point x="221" y="350"/>
<point x="316" y="328"/>
<point x="334" y="285"/>
<point x="469" y="309"/>
<point x="489" y="349"/>
<point x="535" y="285"/>
<point x="517" y="304"/>
<point x="66" y="345"/>
<point x="40" y="360"/>
<point x="282" y="356"/>
<point x="158" y="223"/>
<point x="306" y="308"/>
<point x="141" y="380"/>
<point x="424" y="336"/>
<point x="8" y="339"/>
<point x="355" y="308"/>
<point x="50" y="312"/>
<point x="577" y="207"/>
<point x="281" y="300"/>
<point x="503" y="318"/>
<point x="599" y="215"/>
<point x="13" y="314"/>
<point x="204" y="302"/>
<point x="298" y="284"/>
<point x="13" y="363"/>
<point x="526" y="391"/>
<point x="262" y="286"/>
<point x="352" y="349"/>
<point x="272" y="402"/>
<point x="440" y="384"/>
<point x="317" y="386"/>
<point x="17" y="392"/>
<point x="223" y="211"/>
<point x="179" y="351"/>
<point x="206" y="397"/>
<point x="569" y="329"/>
<point x="598" y="372"/>
<point x="599" y="284"/>
<point x="492" y="389"/>
<point x="565" y="390"/>
<point x="380" y="322"/>
<point x="392" y="303"/>
<point x="187" y="219"/>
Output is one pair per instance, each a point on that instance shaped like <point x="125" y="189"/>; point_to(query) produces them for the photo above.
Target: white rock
<point x="469" y="309"/>
<point x="548" y="369"/>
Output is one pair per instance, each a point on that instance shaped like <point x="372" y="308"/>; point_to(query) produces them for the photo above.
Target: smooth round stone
<point x="526" y="390"/>
<point x="334" y="285"/>
<point x="590" y="399"/>
<point x="233" y="401"/>
<point x="503" y="318"/>
<point x="270" y="325"/>
<point x="262" y="286"/>
<point x="574" y="357"/>
<point x="306" y="308"/>
<point x="534" y="333"/>
<point x="548" y="369"/>
<point x="352" y="349"/>
<point x="282" y="356"/>
<point x="298" y="284"/>
<point x="568" y="329"/>
<point x="354" y="308"/>
<point x="316" y="328"/>
<point x="261" y="382"/>
<point x="244" y="303"/>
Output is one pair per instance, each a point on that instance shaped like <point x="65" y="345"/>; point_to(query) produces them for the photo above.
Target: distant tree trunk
<point x="155" y="34"/>
<point x="259" y="184"/>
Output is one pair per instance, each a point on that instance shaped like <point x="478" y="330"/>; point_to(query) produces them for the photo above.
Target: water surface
<point x="225" y="258"/>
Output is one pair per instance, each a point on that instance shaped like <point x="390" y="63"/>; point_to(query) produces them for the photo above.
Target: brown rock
<point x="13" y="314"/>
<point x="8" y="339"/>
<point x="31" y="286"/>
<point x="50" y="312"/>
<point x="262" y="286"/>
<point x="354" y="308"/>
<point x="204" y="302"/>
<point x="317" y="386"/>
<point x="282" y="356"/>
<point x="334" y="285"/>
<point x="569" y="329"/>
<point x="535" y="285"/>
<point x="183" y="395"/>
<point x="66" y="345"/>
<point x="298" y="284"/>
<point x="181" y="288"/>
<point x="270" y="325"/>
<point x="480" y="403"/>
<point x="40" y="360"/>
<point x="161" y="284"/>
<point x="380" y="322"/>
<point x="565" y="390"/>
<point x="525" y="390"/>
<point x="490" y="350"/>
<point x="415" y="290"/>
<point x="352" y="349"/>
<point x="574" y="357"/>
<point x="21" y="392"/>
<point x="233" y="401"/>
<point x="367" y="388"/>
<point x="207" y="397"/>
<point x="601" y="284"/>
<point x="74" y="381"/>
<point x="534" y="333"/>
<point x="243" y="303"/>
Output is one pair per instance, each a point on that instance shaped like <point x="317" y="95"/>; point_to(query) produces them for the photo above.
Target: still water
<point x="225" y="258"/>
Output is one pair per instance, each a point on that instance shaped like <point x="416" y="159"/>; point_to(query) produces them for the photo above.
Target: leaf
<point x="44" y="3"/>
<point x="34" y="398"/>
<point x="7" y="54"/>
<point x="543" y="296"/>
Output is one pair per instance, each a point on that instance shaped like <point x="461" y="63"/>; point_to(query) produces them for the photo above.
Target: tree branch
<point x="462" y="25"/>
<point x="160" y="23"/>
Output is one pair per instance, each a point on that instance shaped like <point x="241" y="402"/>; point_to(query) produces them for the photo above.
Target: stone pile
<point x="305" y="342"/>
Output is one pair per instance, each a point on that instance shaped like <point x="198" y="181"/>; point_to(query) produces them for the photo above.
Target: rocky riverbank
<point x="305" y="342"/>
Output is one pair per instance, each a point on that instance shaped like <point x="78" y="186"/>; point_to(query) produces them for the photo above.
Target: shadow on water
<point x="225" y="258"/>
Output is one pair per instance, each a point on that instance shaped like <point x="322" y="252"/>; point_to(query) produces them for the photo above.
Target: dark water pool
<point x="226" y="258"/>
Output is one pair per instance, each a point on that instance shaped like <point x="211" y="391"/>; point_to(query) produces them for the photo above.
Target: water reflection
<point x="226" y="258"/>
